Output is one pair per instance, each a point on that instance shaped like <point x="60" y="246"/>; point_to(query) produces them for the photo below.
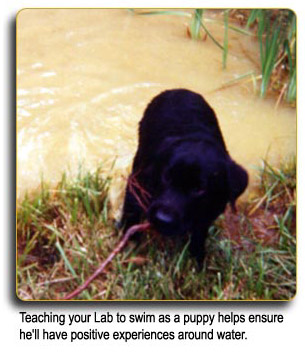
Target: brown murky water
<point x="84" y="78"/>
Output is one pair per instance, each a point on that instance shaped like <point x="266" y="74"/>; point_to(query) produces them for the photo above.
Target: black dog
<point x="182" y="175"/>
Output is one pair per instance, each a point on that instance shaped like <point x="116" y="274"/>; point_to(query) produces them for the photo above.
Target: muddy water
<point x="85" y="77"/>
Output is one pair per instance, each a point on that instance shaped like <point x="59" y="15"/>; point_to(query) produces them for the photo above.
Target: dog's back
<point x="177" y="113"/>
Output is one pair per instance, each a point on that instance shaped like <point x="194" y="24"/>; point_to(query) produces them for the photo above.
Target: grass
<point x="63" y="234"/>
<point x="276" y="32"/>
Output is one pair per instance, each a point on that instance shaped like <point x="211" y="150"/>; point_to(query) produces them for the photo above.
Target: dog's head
<point x="194" y="185"/>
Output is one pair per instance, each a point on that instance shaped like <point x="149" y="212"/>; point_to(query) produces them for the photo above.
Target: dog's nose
<point x="164" y="222"/>
<point x="163" y="217"/>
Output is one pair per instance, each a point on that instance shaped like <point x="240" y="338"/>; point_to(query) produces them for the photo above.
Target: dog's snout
<point x="163" y="219"/>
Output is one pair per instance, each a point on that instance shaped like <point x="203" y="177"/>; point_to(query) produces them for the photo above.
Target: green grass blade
<point x="225" y="39"/>
<point x="271" y="54"/>
<point x="55" y="231"/>
<point x="231" y="27"/>
<point x="66" y="260"/>
<point x="291" y="92"/>
<point x="254" y="15"/>
<point x="163" y="12"/>
<point x="181" y="258"/>
<point x="211" y="36"/>
<point x="195" y="25"/>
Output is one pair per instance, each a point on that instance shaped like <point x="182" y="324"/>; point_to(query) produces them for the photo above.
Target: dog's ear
<point x="237" y="181"/>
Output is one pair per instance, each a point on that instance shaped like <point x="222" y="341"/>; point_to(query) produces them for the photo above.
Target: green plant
<point x="276" y="33"/>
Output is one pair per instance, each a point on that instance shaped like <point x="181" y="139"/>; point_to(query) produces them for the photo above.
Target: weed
<point x="276" y="31"/>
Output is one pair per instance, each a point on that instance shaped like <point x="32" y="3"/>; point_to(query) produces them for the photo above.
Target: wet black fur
<point x="182" y="161"/>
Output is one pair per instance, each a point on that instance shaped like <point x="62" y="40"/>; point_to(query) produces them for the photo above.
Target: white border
<point x="279" y="341"/>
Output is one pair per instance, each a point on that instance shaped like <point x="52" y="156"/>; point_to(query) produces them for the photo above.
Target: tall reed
<point x="276" y="32"/>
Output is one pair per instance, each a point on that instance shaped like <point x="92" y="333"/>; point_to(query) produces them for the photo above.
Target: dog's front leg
<point x="197" y="245"/>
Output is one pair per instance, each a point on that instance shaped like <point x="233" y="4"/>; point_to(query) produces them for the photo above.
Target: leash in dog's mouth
<point x="138" y="191"/>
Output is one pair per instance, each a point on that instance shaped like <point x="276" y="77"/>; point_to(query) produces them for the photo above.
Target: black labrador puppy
<point x="182" y="175"/>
